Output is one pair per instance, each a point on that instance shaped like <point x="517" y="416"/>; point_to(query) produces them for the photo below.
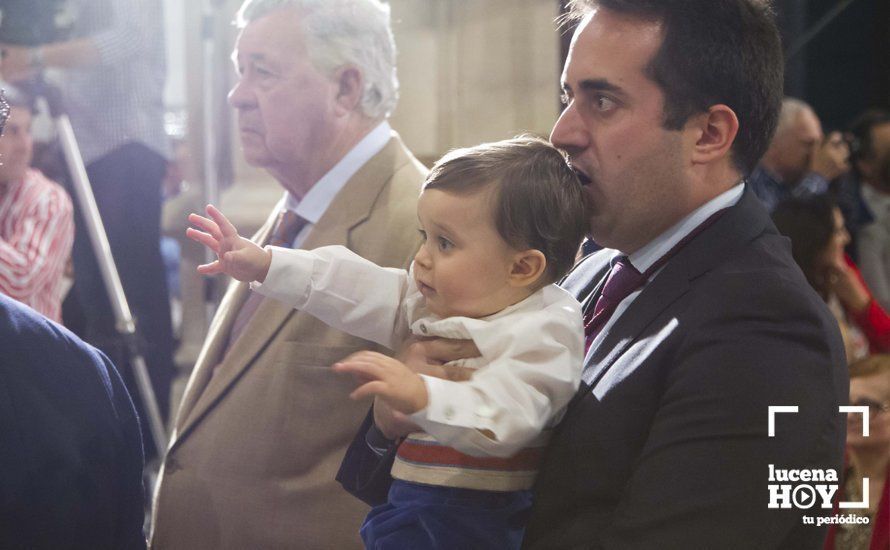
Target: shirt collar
<point x="319" y="198"/>
<point x="643" y="258"/>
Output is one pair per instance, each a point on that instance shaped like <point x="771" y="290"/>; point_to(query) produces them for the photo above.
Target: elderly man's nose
<point x="240" y="96"/>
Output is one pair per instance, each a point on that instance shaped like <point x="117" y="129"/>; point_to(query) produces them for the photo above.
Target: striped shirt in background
<point x="36" y="232"/>
<point x="120" y="100"/>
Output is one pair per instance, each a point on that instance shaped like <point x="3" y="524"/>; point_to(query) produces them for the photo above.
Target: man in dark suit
<point x="697" y="318"/>
<point x="71" y="454"/>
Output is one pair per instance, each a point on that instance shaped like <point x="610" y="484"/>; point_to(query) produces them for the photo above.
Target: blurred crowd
<point x="830" y="195"/>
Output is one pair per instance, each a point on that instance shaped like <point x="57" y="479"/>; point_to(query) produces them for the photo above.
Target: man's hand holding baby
<point x="237" y="257"/>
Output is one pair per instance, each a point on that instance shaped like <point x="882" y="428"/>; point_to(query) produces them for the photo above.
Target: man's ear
<point x="350" y="87"/>
<point x="715" y="132"/>
<point x="528" y="267"/>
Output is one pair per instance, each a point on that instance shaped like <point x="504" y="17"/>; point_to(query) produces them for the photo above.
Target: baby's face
<point x="463" y="265"/>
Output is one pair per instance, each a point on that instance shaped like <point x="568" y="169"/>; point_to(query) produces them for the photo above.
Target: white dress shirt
<point x="531" y="351"/>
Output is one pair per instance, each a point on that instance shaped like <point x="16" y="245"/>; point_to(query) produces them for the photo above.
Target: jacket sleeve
<point x="365" y="473"/>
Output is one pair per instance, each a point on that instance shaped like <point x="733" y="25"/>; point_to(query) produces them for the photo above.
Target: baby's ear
<point x="528" y="267"/>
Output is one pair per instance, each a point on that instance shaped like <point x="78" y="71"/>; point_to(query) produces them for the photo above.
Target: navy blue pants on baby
<point x="439" y="518"/>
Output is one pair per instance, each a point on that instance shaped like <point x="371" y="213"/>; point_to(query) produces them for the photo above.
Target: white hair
<point x="791" y="108"/>
<point x="341" y="32"/>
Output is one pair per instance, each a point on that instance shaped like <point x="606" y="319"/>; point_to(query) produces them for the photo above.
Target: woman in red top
<point x="818" y="237"/>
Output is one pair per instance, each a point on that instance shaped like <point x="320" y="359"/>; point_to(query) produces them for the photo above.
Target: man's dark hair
<point x="538" y="203"/>
<point x="861" y="138"/>
<point x="714" y="52"/>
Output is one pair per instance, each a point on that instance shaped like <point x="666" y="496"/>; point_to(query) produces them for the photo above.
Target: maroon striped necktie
<point x="624" y="279"/>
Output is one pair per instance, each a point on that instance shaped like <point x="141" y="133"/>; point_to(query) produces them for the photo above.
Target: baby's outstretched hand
<point x="237" y="257"/>
<point x="387" y="378"/>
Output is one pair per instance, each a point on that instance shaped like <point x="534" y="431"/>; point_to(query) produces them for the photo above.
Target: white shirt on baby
<point x="531" y="359"/>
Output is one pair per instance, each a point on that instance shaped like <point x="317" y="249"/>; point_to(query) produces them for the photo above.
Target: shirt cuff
<point x="289" y="278"/>
<point x="443" y="408"/>
<point x="377" y="442"/>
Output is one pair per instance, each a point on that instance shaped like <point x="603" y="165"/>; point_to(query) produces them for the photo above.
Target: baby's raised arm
<point x="237" y="257"/>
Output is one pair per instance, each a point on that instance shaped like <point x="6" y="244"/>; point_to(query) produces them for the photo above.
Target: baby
<point x="500" y="223"/>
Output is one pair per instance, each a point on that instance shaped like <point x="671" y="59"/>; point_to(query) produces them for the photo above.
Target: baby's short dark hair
<point x="538" y="203"/>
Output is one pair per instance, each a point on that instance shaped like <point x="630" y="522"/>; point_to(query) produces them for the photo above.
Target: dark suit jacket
<point x="665" y="445"/>
<point x="71" y="451"/>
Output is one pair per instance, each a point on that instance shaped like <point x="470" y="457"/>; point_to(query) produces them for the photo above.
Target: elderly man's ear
<point x="350" y="87"/>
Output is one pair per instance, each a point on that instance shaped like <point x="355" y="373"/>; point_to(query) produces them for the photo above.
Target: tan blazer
<point x="257" y="444"/>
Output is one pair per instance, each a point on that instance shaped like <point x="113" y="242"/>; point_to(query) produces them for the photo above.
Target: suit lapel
<point x="586" y="279"/>
<point x="740" y="224"/>
<point x="655" y="297"/>
<point x="217" y="338"/>
<point x="351" y="206"/>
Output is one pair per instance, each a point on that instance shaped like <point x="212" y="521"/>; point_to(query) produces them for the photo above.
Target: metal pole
<point x="125" y="324"/>
<point x="210" y="130"/>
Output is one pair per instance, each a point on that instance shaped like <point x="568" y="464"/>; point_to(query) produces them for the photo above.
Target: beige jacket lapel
<point x="217" y="338"/>
<point x="351" y="206"/>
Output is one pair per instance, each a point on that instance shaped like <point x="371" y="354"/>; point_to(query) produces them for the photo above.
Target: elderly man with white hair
<point x="264" y="422"/>
<point x="800" y="160"/>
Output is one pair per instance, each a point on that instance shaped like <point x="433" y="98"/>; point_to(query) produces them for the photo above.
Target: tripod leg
<point x="125" y="324"/>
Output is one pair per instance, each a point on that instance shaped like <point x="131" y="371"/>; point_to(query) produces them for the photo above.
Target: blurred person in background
<point x="867" y="457"/>
<point x="36" y="225"/>
<point x="870" y="145"/>
<point x="114" y="71"/>
<point x="71" y="460"/>
<point x="800" y="160"/>
<point x="818" y="236"/>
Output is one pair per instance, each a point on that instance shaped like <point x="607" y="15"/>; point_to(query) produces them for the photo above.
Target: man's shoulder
<point x="388" y="235"/>
<point x="390" y="180"/>
<point x="760" y="270"/>
<point x="32" y="341"/>
<point x="408" y="173"/>
<point x="587" y="272"/>
<point x="759" y="295"/>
